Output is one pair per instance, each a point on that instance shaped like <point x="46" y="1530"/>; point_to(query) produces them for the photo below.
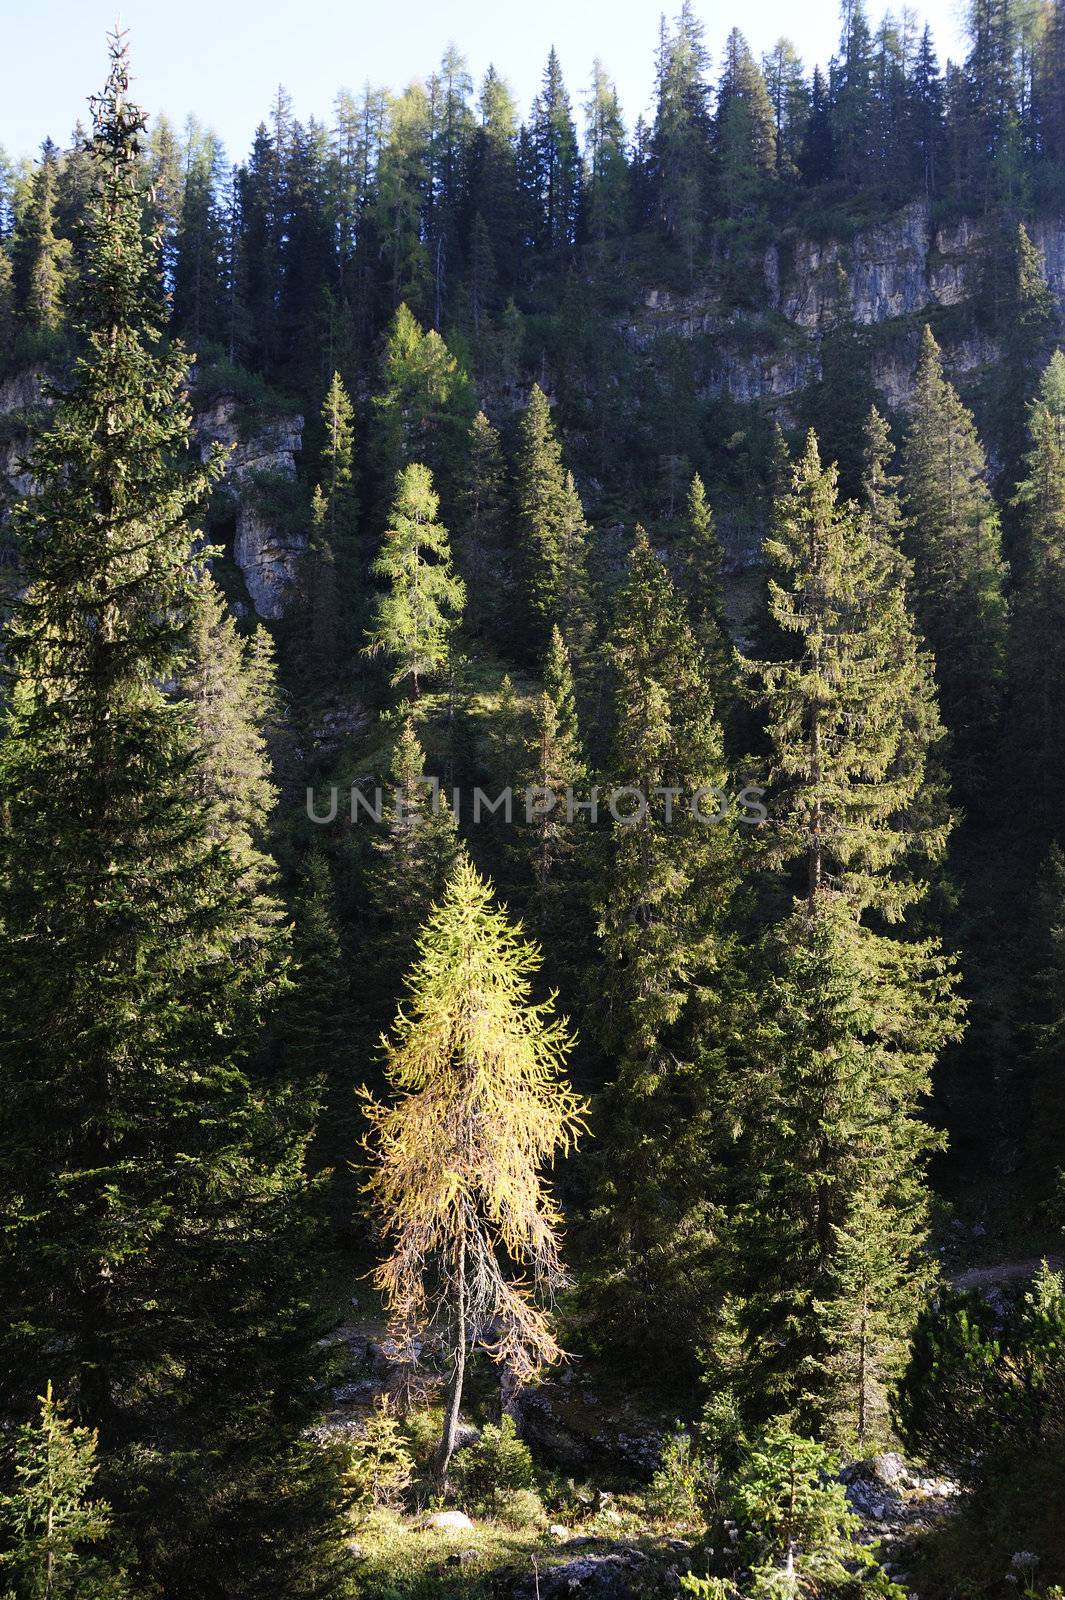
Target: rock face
<point x="262" y="456"/>
<point x="262" y="452"/>
<point x="885" y="277"/>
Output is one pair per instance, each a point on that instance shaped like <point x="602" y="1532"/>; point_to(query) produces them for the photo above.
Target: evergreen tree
<point x="744" y="132"/>
<point x="321" y="655"/>
<point x="412" y="858"/>
<point x="606" y="167"/>
<point x="480" y="1106"/>
<point x="40" y="256"/>
<point x="154" y="1253"/>
<point x="554" y="764"/>
<point x="483" y="554"/>
<point x="552" y="533"/>
<point x="663" y="897"/>
<point x="413" y="622"/>
<point x="49" y="1522"/>
<point x="337" y="460"/>
<point x="557" y="177"/>
<point x="829" y="1218"/>
<point x="680" y="144"/>
<point x="200" y="248"/>
<point x="958" y="571"/>
<point x="789" y="99"/>
<point x="700" y="581"/>
<point x="1036" y="721"/>
<point x="1028" y="319"/>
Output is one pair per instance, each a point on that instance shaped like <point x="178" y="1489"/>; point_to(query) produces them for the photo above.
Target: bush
<point x="521" y="1509"/>
<point x="381" y="1465"/>
<point x="679" y="1490"/>
<point x="498" y="1462"/>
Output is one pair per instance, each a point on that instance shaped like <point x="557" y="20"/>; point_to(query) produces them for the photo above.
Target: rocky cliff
<point x="886" y="278"/>
<point x="262" y="448"/>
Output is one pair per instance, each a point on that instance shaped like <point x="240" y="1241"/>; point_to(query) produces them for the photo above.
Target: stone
<point x="461" y="1558"/>
<point x="602" y="1577"/>
<point x="448" y="1521"/>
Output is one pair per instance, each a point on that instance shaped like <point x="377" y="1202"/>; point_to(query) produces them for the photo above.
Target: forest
<point x="532" y="872"/>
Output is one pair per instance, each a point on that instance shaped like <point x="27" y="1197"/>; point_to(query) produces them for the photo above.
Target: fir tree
<point x="414" y="620"/>
<point x="50" y="1522"/>
<point x="958" y="571"/>
<point x="552" y="533"/>
<point x="480" y="1105"/>
<point x="153" y="1231"/>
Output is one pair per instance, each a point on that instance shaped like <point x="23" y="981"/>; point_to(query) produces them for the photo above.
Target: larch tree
<point x="480" y="1106"/>
<point x="958" y="574"/>
<point x="830" y="1215"/>
<point x="415" y="617"/>
<point x="553" y="534"/>
<point x="154" y="1232"/>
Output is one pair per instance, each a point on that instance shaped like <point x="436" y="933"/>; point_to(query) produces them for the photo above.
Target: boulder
<point x="607" y="1577"/>
<point x="448" y="1521"/>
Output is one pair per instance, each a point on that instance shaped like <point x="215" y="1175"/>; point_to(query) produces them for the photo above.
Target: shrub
<point x="679" y="1489"/>
<point x="499" y="1461"/>
<point x="521" y="1509"/>
<point x="381" y="1465"/>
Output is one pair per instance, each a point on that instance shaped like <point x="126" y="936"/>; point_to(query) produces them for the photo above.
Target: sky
<point x="223" y="59"/>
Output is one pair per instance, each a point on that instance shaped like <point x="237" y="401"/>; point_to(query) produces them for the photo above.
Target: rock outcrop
<point x="887" y="277"/>
<point x="262" y="451"/>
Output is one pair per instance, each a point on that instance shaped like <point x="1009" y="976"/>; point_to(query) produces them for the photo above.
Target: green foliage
<point x="414" y="619"/>
<point x="381" y="1465"/>
<point x="680" y="1489"/>
<point x="552" y="533"/>
<point x="496" y="1464"/>
<point x="796" y="1530"/>
<point x="50" y="1524"/>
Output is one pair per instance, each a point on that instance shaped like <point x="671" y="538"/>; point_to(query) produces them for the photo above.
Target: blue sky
<point x="222" y="59"/>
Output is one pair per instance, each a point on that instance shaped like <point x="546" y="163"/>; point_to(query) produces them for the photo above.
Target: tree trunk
<point x="454" y="1397"/>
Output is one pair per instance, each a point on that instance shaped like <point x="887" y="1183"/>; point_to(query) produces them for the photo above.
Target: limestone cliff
<point x="262" y="450"/>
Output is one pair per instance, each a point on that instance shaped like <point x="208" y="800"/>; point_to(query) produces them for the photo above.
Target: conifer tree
<point x="414" y="620"/>
<point x="49" y="1524"/>
<point x="954" y="544"/>
<point x="480" y="1106"/>
<point x="424" y="407"/>
<point x="556" y="177"/>
<point x="680" y="143"/>
<point x="663" y="899"/>
<point x="607" y="175"/>
<point x="1028" y="318"/>
<point x="40" y="255"/>
<point x="337" y="458"/>
<point x="483" y="555"/>
<point x="153" y="1232"/>
<point x="554" y="764"/>
<point x="320" y="658"/>
<point x="412" y="859"/>
<point x="552" y="533"/>
<point x="829" y="1221"/>
<point x="1036" y="722"/>
<point x="700" y="581"/>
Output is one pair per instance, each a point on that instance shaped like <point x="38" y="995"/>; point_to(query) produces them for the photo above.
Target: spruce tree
<point x="153" y="1255"/>
<point x="954" y="543"/>
<point x="1028" y="317"/>
<point x="50" y="1524"/>
<point x="337" y="460"/>
<point x="40" y="256"/>
<point x="553" y="535"/>
<point x="1036" y="721"/>
<point x="663" y="898"/>
<point x="700" y="580"/>
<point x="480" y="1106"/>
<point x="549" y="836"/>
<point x="483" y="553"/>
<point x="412" y="857"/>
<point x="414" y="620"/>
<point x="830" y="1211"/>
